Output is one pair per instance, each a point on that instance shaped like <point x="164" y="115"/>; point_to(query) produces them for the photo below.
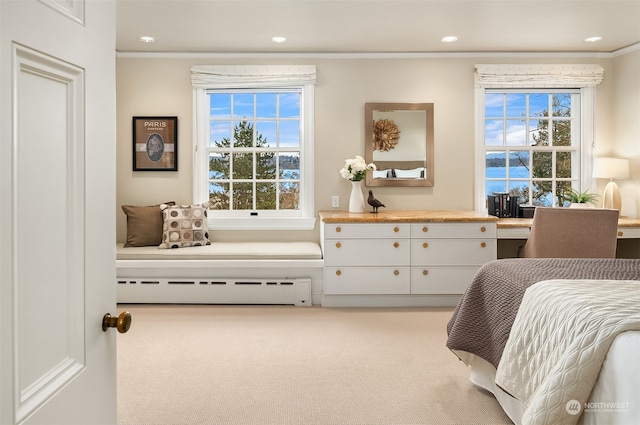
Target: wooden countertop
<point x="442" y="216"/>
<point x="511" y="223"/>
<point x="405" y="216"/>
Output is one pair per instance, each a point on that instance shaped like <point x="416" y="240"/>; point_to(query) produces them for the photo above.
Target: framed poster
<point x="155" y="143"/>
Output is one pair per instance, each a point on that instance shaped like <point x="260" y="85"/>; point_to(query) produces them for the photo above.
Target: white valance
<point x="538" y="75"/>
<point x="251" y="76"/>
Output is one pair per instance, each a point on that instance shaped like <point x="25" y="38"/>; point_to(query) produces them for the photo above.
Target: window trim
<point x="500" y="76"/>
<point x="206" y="77"/>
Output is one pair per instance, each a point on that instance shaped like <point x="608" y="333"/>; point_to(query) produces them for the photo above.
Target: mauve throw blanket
<point x="483" y="318"/>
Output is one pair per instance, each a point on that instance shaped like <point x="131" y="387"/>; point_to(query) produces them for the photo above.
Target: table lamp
<point x="611" y="168"/>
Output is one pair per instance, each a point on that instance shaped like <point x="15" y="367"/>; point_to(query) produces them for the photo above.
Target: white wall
<point x="161" y="86"/>
<point x="626" y="127"/>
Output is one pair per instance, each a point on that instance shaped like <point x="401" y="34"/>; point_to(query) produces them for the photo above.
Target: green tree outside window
<point x="242" y="173"/>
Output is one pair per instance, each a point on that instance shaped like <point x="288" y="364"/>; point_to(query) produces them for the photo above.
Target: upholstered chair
<point x="572" y="233"/>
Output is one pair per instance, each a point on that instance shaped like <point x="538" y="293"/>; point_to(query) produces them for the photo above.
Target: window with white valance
<point x="253" y="159"/>
<point x="534" y="130"/>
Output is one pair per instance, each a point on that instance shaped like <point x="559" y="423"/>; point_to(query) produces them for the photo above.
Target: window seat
<point x="221" y="273"/>
<point x="225" y="251"/>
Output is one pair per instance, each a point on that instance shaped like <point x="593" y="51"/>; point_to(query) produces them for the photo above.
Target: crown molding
<point x="373" y="55"/>
<point x="625" y="50"/>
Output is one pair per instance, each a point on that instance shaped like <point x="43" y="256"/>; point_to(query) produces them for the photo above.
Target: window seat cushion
<point x="225" y="251"/>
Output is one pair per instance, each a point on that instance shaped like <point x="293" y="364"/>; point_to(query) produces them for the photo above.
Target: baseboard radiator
<point x="215" y="291"/>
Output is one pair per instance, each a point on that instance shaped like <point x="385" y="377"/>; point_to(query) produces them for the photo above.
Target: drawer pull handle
<point x="425" y="245"/>
<point x="396" y="244"/>
<point x="425" y="272"/>
<point x="483" y="244"/>
<point x="338" y="229"/>
<point x="338" y="272"/>
<point x="425" y="229"/>
<point x="338" y="244"/>
<point x="483" y="229"/>
<point x="620" y="233"/>
<point x="396" y="272"/>
<point x="396" y="229"/>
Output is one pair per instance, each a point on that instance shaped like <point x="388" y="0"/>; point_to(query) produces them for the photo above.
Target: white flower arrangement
<point x="356" y="169"/>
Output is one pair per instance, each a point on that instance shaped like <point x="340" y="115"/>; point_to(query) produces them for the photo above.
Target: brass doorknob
<point x="122" y="322"/>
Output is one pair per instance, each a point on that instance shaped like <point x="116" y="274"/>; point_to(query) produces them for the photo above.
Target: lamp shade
<point x="610" y="168"/>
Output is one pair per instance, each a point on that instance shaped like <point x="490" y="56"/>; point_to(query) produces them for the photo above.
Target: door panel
<point x="57" y="171"/>
<point x="49" y="163"/>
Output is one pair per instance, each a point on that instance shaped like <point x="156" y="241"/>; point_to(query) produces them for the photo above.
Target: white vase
<point x="356" y="200"/>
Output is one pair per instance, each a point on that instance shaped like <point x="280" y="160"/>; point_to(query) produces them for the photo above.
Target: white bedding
<point x="615" y="399"/>
<point x="565" y="366"/>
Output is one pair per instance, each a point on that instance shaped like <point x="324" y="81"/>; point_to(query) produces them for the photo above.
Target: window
<point x="532" y="144"/>
<point x="254" y="164"/>
<point x="254" y="151"/>
<point x="534" y="131"/>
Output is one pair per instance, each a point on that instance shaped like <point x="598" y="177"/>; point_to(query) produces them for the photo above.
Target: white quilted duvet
<point x="558" y="342"/>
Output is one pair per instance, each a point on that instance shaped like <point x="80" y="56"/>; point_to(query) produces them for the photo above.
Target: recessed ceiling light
<point x="449" y="39"/>
<point x="592" y="39"/>
<point x="278" y="39"/>
<point x="146" y="39"/>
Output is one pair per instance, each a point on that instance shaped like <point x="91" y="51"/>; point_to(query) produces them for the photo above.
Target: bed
<point x="400" y="170"/>
<point x="574" y="353"/>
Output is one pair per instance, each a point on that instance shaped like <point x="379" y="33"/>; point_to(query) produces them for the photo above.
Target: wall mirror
<point x="399" y="141"/>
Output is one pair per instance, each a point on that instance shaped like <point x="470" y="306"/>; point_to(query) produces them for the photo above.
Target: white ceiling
<point x="376" y="26"/>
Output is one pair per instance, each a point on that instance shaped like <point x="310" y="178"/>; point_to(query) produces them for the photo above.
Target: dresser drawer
<point x="454" y="230"/>
<point x="451" y="252"/>
<point x="442" y="280"/>
<point x="367" y="252"/>
<point x="367" y="280"/>
<point x="364" y="230"/>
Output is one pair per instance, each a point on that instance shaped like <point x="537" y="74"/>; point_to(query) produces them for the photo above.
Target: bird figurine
<point x="374" y="202"/>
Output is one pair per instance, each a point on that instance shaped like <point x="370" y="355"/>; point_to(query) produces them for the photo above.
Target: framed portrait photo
<point x="155" y="143"/>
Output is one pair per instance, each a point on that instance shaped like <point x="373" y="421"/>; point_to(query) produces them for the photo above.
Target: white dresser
<point x="403" y="258"/>
<point x="363" y="258"/>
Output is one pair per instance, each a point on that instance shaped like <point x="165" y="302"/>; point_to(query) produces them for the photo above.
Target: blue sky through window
<point x="276" y="116"/>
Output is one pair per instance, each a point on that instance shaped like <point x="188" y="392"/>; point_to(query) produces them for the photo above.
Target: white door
<point x="57" y="221"/>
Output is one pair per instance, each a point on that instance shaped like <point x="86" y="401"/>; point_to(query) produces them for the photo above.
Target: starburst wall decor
<point x="385" y="135"/>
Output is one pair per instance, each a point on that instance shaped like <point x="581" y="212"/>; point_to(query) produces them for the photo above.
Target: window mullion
<point x="549" y="123"/>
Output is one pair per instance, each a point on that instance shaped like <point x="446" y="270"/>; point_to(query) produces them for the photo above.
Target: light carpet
<point x="285" y="365"/>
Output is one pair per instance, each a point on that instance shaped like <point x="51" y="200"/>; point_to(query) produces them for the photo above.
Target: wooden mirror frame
<point x="394" y="138"/>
